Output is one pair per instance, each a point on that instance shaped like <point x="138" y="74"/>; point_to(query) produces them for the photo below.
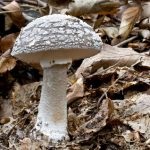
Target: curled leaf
<point x="15" y="13"/>
<point x="109" y="56"/>
<point x="7" y="63"/>
<point x="7" y="42"/>
<point x="76" y="91"/>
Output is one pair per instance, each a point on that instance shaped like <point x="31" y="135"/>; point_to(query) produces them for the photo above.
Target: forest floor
<point x="108" y="94"/>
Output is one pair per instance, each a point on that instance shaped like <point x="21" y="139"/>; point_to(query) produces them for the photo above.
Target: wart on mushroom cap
<point x="45" y="36"/>
<point x="53" y="41"/>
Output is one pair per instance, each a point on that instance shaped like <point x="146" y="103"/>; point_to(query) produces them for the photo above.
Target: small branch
<point x="126" y="41"/>
<point x="41" y="3"/>
<point x="105" y="93"/>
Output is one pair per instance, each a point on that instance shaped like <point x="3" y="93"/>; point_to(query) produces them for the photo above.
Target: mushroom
<point x="54" y="41"/>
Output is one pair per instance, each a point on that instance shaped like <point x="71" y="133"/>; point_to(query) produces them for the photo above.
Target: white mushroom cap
<point x="56" y="37"/>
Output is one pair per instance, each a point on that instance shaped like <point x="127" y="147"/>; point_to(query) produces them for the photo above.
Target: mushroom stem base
<point x="52" y="111"/>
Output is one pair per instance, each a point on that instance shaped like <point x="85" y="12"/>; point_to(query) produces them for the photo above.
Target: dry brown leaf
<point x="15" y="13"/>
<point x="73" y="122"/>
<point x="145" y="24"/>
<point x="7" y="42"/>
<point x="111" y="32"/>
<point x="82" y="7"/>
<point x="129" y="18"/>
<point x="8" y="23"/>
<point x="26" y="92"/>
<point x="136" y="113"/>
<point x="7" y="64"/>
<point x="95" y="124"/>
<point x="4" y="120"/>
<point x="109" y="56"/>
<point x="139" y="46"/>
<point x="5" y="111"/>
<point x="131" y="136"/>
<point x="98" y="20"/>
<point x="24" y="95"/>
<point x="122" y="8"/>
<point x="140" y="105"/>
<point x="25" y="144"/>
<point x="146" y="63"/>
<point x="76" y="91"/>
<point x="141" y="124"/>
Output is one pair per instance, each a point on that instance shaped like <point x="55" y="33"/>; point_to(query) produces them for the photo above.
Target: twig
<point x="41" y="3"/>
<point x="126" y="41"/>
<point x="111" y="66"/>
<point x="69" y="102"/>
<point x="105" y="93"/>
<point x="27" y="17"/>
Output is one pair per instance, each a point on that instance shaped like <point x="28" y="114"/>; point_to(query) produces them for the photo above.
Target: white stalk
<point x="52" y="111"/>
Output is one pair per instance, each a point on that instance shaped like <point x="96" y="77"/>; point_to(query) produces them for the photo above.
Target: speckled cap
<point x="56" y="37"/>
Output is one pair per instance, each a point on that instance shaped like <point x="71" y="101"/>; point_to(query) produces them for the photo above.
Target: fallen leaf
<point x="129" y="18"/>
<point x="82" y="7"/>
<point x="94" y="125"/>
<point x="109" y="56"/>
<point x="25" y="144"/>
<point x="141" y="124"/>
<point x="15" y="13"/>
<point x="4" y="120"/>
<point x="7" y="42"/>
<point x="76" y="91"/>
<point x="73" y="122"/>
<point x="145" y="23"/>
<point x="143" y="64"/>
<point x="139" y="46"/>
<point x="111" y="32"/>
<point x="7" y="63"/>
<point x="24" y="93"/>
<point x="136" y="113"/>
<point x="131" y="136"/>
<point x="5" y="111"/>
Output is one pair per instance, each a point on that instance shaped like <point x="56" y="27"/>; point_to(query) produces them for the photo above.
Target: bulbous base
<point x="53" y="133"/>
<point x="49" y="137"/>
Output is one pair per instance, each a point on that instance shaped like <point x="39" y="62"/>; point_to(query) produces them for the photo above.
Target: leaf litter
<point x="108" y="94"/>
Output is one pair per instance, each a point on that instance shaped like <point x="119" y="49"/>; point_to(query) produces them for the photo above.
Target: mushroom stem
<point x="52" y="111"/>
